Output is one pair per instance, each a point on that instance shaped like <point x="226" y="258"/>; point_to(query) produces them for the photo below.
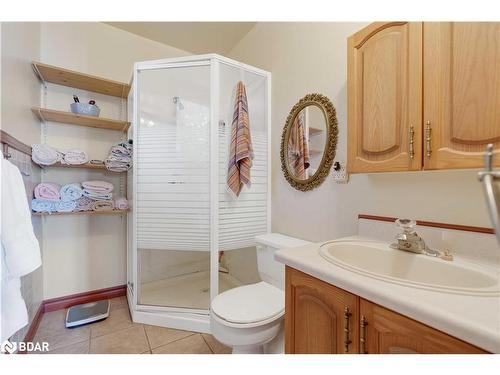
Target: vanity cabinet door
<point x="384" y="76"/>
<point x="320" y="318"/>
<point x="383" y="331"/>
<point x="461" y="93"/>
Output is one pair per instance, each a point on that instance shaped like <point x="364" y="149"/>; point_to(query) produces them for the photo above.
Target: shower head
<point x="177" y="102"/>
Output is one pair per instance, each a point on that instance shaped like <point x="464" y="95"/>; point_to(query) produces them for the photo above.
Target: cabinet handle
<point x="428" y="137"/>
<point x="362" y="336"/>
<point x="347" y="340"/>
<point x="412" y="141"/>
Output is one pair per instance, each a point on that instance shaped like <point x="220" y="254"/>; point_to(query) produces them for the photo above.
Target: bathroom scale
<point x="87" y="313"/>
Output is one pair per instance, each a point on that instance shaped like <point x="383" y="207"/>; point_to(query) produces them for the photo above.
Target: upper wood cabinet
<point x="320" y="318"/>
<point x="461" y="93"/>
<point x="384" y="97"/>
<point x="450" y="72"/>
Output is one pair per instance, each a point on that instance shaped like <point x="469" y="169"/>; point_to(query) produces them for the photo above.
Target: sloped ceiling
<point x="194" y="37"/>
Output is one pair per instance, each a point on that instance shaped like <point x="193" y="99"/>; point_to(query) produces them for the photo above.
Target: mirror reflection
<point x="306" y="142"/>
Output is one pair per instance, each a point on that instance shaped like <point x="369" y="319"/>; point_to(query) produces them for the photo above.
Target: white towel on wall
<point x="20" y="251"/>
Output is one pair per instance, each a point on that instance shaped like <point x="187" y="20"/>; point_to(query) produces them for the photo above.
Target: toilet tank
<point x="270" y="270"/>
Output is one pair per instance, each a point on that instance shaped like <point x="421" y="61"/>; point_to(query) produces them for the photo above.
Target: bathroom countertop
<point x="473" y="319"/>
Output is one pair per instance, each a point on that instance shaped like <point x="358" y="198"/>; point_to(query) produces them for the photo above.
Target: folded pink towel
<point x="48" y="191"/>
<point x="103" y="205"/>
<point x="98" y="186"/>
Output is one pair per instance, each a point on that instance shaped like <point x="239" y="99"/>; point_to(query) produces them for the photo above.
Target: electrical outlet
<point x="340" y="174"/>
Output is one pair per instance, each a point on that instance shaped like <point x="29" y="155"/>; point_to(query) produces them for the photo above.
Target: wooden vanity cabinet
<point x="387" y="332"/>
<point x="449" y="71"/>
<point x="316" y="323"/>
<point x="319" y="318"/>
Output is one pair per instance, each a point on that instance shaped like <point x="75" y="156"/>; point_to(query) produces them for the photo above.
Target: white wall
<point x="85" y="253"/>
<point x="311" y="57"/>
<point x="20" y="87"/>
<point x="20" y="90"/>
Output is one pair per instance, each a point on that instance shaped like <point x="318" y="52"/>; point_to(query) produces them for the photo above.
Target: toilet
<point x="250" y="318"/>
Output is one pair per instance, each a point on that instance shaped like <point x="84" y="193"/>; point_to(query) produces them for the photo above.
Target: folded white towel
<point x="98" y="186"/>
<point x="45" y="155"/>
<point x="75" y="157"/>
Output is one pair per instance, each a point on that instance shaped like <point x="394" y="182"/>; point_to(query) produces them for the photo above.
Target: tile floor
<point x="119" y="335"/>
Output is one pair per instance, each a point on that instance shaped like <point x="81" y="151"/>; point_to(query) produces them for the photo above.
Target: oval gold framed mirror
<point x="309" y="142"/>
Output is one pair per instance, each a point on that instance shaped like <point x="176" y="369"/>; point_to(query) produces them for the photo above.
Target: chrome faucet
<point x="489" y="177"/>
<point x="409" y="240"/>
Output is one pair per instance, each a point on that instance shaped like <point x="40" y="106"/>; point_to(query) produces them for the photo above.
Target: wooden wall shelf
<point x="70" y="78"/>
<point x="82" y="120"/>
<point x="84" y="166"/>
<point x="113" y="212"/>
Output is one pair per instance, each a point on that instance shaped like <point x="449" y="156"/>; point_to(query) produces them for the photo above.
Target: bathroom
<point x="187" y="267"/>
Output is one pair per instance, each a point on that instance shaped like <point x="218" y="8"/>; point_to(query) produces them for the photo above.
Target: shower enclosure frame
<point x="176" y="317"/>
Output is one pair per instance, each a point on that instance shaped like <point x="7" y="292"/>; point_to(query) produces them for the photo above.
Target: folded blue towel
<point x="71" y="192"/>
<point x="42" y="205"/>
<point x="62" y="206"/>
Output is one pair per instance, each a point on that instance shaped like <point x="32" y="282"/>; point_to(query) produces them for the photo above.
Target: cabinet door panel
<point x="388" y="332"/>
<point x="384" y="98"/>
<point x="315" y="320"/>
<point x="461" y="92"/>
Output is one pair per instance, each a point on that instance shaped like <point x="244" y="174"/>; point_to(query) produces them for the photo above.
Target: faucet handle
<point x="407" y="225"/>
<point x="446" y="255"/>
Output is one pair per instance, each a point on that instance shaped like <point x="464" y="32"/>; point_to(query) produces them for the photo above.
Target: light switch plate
<point x="340" y="176"/>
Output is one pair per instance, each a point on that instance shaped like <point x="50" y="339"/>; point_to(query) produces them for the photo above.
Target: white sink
<point x="378" y="260"/>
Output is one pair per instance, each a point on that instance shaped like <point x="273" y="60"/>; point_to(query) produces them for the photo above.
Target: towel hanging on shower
<point x="241" y="151"/>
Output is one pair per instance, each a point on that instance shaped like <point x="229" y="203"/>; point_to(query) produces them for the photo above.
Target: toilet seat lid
<point x="249" y="303"/>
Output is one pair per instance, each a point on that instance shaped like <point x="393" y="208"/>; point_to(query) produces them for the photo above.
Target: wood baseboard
<point x="30" y="335"/>
<point x="466" y="228"/>
<point x="86" y="297"/>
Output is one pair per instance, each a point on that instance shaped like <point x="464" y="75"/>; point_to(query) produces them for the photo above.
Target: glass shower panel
<point x="244" y="217"/>
<point x="173" y="186"/>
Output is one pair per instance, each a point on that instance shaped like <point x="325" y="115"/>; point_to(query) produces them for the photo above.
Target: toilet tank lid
<point x="278" y="240"/>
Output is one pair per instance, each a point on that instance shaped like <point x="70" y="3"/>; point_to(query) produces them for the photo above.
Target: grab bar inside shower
<point x="489" y="178"/>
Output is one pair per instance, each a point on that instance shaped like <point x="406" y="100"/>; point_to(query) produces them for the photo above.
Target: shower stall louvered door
<point x="173" y="187"/>
<point x="183" y="216"/>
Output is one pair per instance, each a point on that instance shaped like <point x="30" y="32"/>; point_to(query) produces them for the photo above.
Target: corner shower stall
<point x="183" y="221"/>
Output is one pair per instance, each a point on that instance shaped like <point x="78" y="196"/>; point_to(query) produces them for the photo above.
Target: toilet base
<point x="248" y="349"/>
<point x="267" y="338"/>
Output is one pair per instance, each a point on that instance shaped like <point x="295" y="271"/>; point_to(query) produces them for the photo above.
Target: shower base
<point x="185" y="291"/>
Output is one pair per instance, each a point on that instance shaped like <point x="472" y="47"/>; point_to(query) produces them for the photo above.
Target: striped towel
<point x="241" y="150"/>
<point x="298" y="148"/>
